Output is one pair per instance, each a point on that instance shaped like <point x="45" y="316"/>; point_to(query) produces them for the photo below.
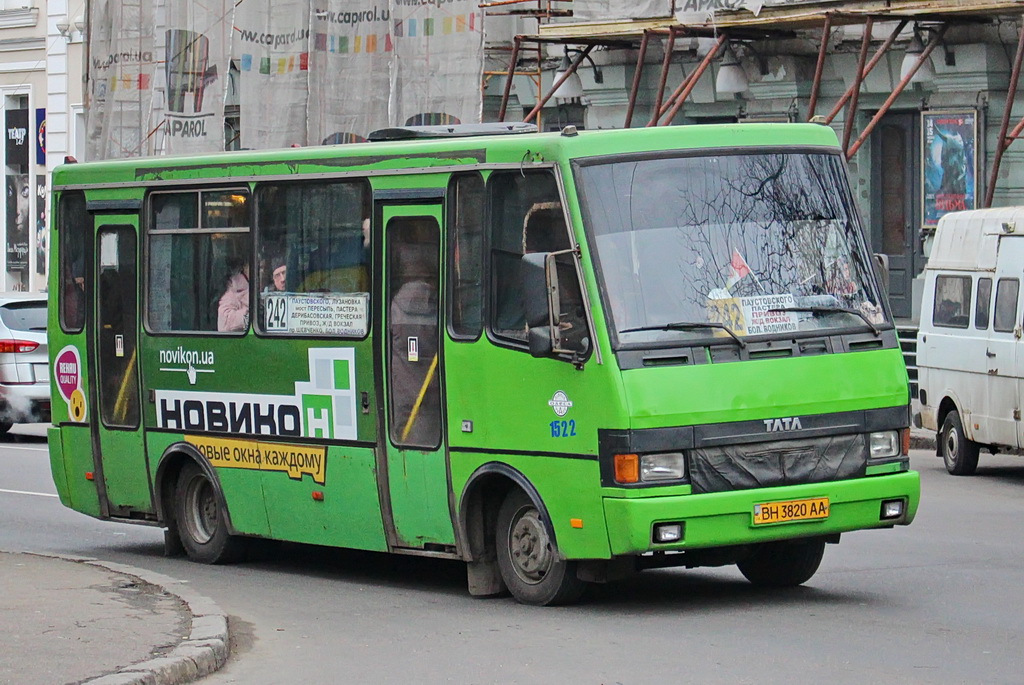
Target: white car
<point x="24" y="360"/>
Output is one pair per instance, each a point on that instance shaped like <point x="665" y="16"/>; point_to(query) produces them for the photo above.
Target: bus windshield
<point x="728" y="245"/>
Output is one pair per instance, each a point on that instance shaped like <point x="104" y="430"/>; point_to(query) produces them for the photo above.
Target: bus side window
<point x="466" y="236"/>
<point x="198" y="268"/>
<point x="74" y="225"/>
<point x="316" y="238"/>
<point x="527" y="216"/>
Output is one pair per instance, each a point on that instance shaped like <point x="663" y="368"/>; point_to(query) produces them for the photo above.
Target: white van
<point x="970" y="355"/>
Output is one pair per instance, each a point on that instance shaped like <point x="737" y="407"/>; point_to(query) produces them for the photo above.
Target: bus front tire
<point x="959" y="454"/>
<point x="783" y="564"/>
<point x="528" y="559"/>
<point x="199" y="515"/>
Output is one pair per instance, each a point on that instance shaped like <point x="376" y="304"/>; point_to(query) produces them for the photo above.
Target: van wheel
<point x="199" y="514"/>
<point x="959" y="453"/>
<point x="5" y="426"/>
<point x="783" y="564"/>
<point x="528" y="558"/>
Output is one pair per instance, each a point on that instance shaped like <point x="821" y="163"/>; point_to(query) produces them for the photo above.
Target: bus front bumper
<point x="726" y="518"/>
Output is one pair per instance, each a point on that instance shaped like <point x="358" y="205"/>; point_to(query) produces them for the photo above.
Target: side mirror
<point x="540" y="340"/>
<point x="540" y="298"/>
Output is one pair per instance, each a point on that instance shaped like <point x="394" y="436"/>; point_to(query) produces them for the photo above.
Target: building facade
<point x="41" y="52"/>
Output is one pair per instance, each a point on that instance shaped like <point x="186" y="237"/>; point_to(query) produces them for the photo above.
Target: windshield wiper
<point x="831" y="310"/>
<point x="688" y="326"/>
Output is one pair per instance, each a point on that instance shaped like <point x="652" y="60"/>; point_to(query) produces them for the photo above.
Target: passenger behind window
<point x="233" y="306"/>
<point x="413" y="314"/>
<point x="278" y="264"/>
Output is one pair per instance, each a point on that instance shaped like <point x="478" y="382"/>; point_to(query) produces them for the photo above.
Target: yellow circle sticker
<point x="77" y="405"/>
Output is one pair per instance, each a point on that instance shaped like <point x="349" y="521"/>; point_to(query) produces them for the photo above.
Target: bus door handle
<point x="989" y="353"/>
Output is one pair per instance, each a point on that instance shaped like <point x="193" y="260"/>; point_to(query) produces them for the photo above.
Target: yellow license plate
<point x="793" y="510"/>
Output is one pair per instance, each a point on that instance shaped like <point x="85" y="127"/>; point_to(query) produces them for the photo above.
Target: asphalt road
<point x="937" y="602"/>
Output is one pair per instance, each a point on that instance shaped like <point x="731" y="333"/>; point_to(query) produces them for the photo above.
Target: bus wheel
<point x="199" y="514"/>
<point x="528" y="558"/>
<point x="783" y="564"/>
<point x="959" y="453"/>
<point x="6" y="426"/>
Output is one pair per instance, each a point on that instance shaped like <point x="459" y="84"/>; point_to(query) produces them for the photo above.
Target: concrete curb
<point x="204" y="651"/>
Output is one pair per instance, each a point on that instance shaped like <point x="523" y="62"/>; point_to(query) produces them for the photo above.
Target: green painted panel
<point x="716" y="393"/>
<point x="76" y="447"/>
<point x="349" y="514"/>
<point x="569" y="488"/>
<point x="124" y="470"/>
<point x="418" y="482"/>
<point x="57" y="468"/>
<point x="243" y="490"/>
<point x="725" y="518"/>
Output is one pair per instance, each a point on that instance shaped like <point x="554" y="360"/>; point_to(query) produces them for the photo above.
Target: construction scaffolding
<point x="779" y="22"/>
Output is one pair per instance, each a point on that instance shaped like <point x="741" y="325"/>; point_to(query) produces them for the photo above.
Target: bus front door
<point x="117" y="434"/>
<point x="413" y="434"/>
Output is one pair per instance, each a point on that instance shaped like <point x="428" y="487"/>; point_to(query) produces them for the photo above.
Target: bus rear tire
<point x="199" y="515"/>
<point x="528" y="559"/>
<point x="783" y="564"/>
<point x="959" y="454"/>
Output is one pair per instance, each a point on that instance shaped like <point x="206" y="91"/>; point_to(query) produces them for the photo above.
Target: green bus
<point x="560" y="357"/>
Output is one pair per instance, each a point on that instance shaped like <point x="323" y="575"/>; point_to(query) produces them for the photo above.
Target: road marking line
<point x="24" y="492"/>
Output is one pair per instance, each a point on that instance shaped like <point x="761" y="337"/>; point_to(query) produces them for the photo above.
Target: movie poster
<point x="949" y="169"/>
<point x="41" y="224"/>
<point x="18" y="192"/>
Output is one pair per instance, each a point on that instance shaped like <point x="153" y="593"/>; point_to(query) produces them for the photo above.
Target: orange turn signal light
<point x="318" y="495"/>
<point x="627" y="468"/>
<point x="88" y="475"/>
<point x="906" y="441"/>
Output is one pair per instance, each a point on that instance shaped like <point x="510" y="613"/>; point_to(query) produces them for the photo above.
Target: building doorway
<point x="895" y="214"/>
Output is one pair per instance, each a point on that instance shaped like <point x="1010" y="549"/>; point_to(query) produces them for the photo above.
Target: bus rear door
<point x="114" y="326"/>
<point x="414" y="448"/>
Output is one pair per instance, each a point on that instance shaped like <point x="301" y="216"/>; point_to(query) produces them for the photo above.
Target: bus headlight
<point x="668" y="466"/>
<point x="884" y="444"/>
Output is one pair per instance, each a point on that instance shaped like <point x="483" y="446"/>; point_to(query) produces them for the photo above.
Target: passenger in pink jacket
<point x="233" y="308"/>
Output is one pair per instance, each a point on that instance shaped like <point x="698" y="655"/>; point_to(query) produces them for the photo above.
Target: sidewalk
<point x="78" y="620"/>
